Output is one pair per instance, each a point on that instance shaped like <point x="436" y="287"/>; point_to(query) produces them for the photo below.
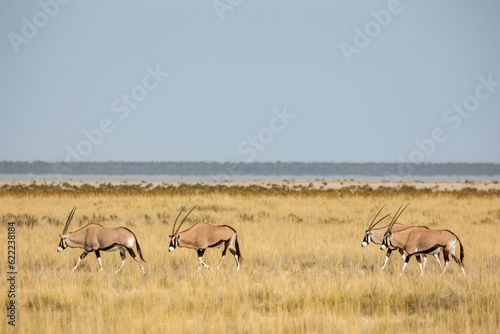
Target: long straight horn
<point x="372" y="225"/>
<point x="184" y="220"/>
<point x="396" y="216"/>
<point x="378" y="221"/>
<point x="175" y="222"/>
<point x="70" y="217"/>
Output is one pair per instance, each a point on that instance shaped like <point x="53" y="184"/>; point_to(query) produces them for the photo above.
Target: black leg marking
<point x="389" y="252"/>
<point x="200" y="255"/>
<point x="80" y="259"/>
<point x="225" y="246"/>
<point x="446" y="256"/>
<point x="98" y="255"/>
<point x="123" y="256"/>
<point x="131" y="252"/>
<point x="407" y="258"/>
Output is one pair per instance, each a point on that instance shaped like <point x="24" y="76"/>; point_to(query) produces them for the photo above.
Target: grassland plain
<point x="304" y="269"/>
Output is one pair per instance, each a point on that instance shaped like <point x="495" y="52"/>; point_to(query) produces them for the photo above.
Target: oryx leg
<point x="420" y="264"/>
<point x="437" y="259"/>
<point x="80" y="259"/>
<point x="408" y="256"/>
<point x="224" y="250"/>
<point x="124" y="258"/>
<point x="402" y="254"/>
<point x="458" y="262"/>
<point x="446" y="260"/>
<point x="98" y="255"/>
<point x="424" y="261"/>
<point x="387" y="256"/>
<point x="236" y="257"/>
<point x="200" y="261"/>
<point x="132" y="253"/>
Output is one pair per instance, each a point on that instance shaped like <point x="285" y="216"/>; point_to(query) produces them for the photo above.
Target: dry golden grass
<point x="304" y="269"/>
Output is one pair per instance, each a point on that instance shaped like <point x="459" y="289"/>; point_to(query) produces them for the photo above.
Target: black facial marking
<point x="365" y="239"/>
<point x="173" y="241"/>
<point x="386" y="239"/>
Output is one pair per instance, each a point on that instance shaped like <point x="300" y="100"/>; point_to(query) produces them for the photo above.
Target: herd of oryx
<point x="200" y="236"/>
<point x="414" y="240"/>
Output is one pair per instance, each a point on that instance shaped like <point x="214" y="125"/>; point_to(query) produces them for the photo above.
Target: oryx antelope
<point x="96" y="238"/>
<point x="376" y="236"/>
<point x="417" y="241"/>
<point x="201" y="236"/>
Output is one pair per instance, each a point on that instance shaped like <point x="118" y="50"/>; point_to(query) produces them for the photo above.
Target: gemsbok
<point x="377" y="235"/>
<point x="201" y="236"/>
<point x="96" y="238"/>
<point x="422" y="241"/>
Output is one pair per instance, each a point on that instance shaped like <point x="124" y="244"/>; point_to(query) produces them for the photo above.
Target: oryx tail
<point x="136" y="244"/>
<point x="462" y="254"/>
<point x="237" y="247"/>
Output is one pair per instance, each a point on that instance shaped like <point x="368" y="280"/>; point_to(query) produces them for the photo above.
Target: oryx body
<point x="416" y="241"/>
<point x="376" y="235"/>
<point x="201" y="236"/>
<point x="96" y="238"/>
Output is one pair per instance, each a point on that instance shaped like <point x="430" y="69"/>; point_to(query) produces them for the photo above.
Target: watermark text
<point x="11" y="273"/>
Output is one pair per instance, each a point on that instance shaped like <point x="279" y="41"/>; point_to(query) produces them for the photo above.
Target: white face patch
<point x="59" y="249"/>
<point x="382" y="247"/>
<point x="170" y="249"/>
<point x="364" y="244"/>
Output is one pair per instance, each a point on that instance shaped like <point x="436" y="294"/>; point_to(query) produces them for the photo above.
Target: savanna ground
<point x="304" y="269"/>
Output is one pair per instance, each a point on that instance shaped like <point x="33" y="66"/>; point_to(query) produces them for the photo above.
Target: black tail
<point x="237" y="246"/>
<point x="461" y="252"/>
<point x="138" y="249"/>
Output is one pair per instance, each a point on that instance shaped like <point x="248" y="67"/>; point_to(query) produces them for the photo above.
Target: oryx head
<point x="62" y="244"/>
<point x="174" y="238"/>
<point x="386" y="241"/>
<point x="368" y="233"/>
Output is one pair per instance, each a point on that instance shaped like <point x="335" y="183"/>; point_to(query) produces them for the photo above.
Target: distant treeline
<point x="254" y="168"/>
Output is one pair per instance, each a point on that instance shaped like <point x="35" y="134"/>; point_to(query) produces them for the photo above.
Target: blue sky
<point x="239" y="80"/>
